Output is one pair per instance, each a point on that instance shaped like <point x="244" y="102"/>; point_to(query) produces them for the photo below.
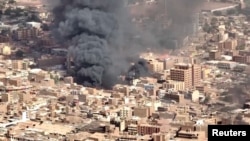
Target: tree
<point x="34" y="18"/>
<point x="206" y="28"/>
<point x="218" y="75"/>
<point x="19" y="54"/>
<point x="56" y="79"/>
<point x="242" y="47"/>
<point x="207" y="99"/>
<point x="217" y="13"/>
<point x="7" y="11"/>
<point x="231" y="12"/>
<point x="45" y="27"/>
<point x="12" y="2"/>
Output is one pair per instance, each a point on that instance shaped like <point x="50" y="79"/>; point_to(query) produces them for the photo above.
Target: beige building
<point x="5" y="50"/>
<point x="230" y="44"/>
<point x="156" y="65"/>
<point x="25" y="33"/>
<point x="20" y="64"/>
<point x="3" y="107"/>
<point x="183" y="73"/>
<point x="25" y="97"/>
<point x="196" y="74"/>
<point x="142" y="112"/>
<point x="175" y="85"/>
<point x="195" y="96"/>
<point x="214" y="55"/>
<point x="126" y="113"/>
<point x="187" y="73"/>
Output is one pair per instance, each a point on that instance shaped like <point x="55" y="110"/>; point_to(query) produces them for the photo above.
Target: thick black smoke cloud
<point x="137" y="70"/>
<point x="101" y="39"/>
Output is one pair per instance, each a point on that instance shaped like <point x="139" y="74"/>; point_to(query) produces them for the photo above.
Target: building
<point x="226" y="65"/>
<point x="147" y="129"/>
<point x="183" y="73"/>
<point x="142" y="112"/>
<point x="175" y="97"/>
<point x="17" y="64"/>
<point x="25" y="33"/>
<point x="175" y="85"/>
<point x="240" y="59"/>
<point x="126" y="113"/>
<point x="159" y="137"/>
<point x="190" y="74"/>
<point x="155" y="65"/>
<point x="4" y="39"/>
<point x="195" y="96"/>
<point x="196" y="74"/>
<point x="214" y="55"/>
<point x="230" y="44"/>
<point x="24" y="97"/>
<point x="5" y="50"/>
<point x="49" y="61"/>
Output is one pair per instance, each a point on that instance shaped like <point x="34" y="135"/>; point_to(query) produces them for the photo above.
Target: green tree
<point x="56" y="79"/>
<point x="242" y="47"/>
<point x="19" y="54"/>
<point x="45" y="27"/>
<point x="231" y="12"/>
<point x="34" y="18"/>
<point x="217" y="13"/>
<point x="207" y="99"/>
<point x="206" y="27"/>
<point x="11" y="1"/>
<point x="7" y="11"/>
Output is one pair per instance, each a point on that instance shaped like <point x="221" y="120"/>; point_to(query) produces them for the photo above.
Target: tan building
<point x="175" y="96"/>
<point x="195" y="96"/>
<point x="5" y="50"/>
<point x="9" y="97"/>
<point x="49" y="61"/>
<point x="14" y="82"/>
<point x="4" y="39"/>
<point x="214" y="55"/>
<point x="19" y="64"/>
<point x="196" y="74"/>
<point x="126" y="113"/>
<point x="142" y="112"/>
<point x="159" y="137"/>
<point x="155" y="65"/>
<point x="230" y="44"/>
<point x="3" y="107"/>
<point x="147" y="129"/>
<point x="183" y="73"/>
<point x="25" y="33"/>
<point x="240" y="59"/>
<point x="175" y="85"/>
<point x="205" y="72"/>
<point x="25" y="97"/>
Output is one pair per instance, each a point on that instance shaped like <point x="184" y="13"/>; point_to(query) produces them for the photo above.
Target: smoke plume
<point x="101" y="39"/>
<point x="178" y="17"/>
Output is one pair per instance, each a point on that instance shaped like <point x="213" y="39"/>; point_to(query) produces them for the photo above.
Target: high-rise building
<point x="182" y="72"/>
<point x="196" y="74"/>
<point x="190" y="74"/>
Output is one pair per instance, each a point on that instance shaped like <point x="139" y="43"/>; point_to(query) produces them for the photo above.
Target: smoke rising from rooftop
<point x="101" y="39"/>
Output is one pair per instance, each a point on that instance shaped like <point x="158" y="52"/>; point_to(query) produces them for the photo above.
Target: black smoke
<point x="137" y="70"/>
<point x="101" y="39"/>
